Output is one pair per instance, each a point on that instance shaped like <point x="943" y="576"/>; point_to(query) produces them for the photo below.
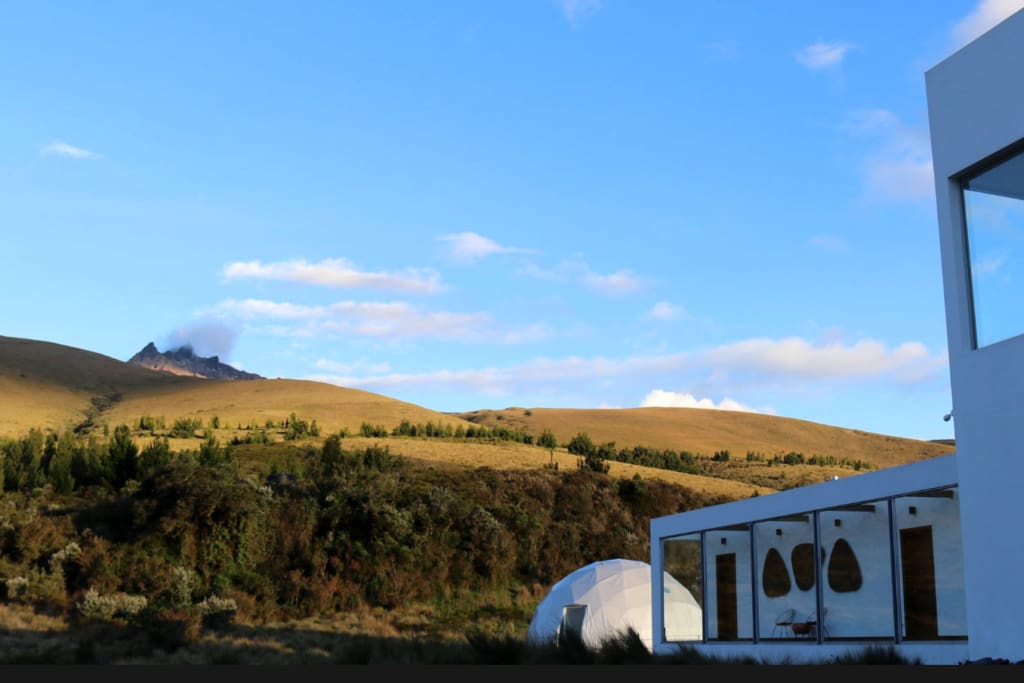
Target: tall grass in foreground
<point x="363" y="637"/>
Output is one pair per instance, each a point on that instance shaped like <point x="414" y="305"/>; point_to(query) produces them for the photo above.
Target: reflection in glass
<point x="776" y="539"/>
<point x="931" y="565"/>
<point x="857" y="594"/>
<point x="681" y="562"/>
<point x="994" y="213"/>
<point x="729" y="604"/>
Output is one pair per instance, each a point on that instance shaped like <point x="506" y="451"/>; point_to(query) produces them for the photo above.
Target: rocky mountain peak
<point x="184" y="361"/>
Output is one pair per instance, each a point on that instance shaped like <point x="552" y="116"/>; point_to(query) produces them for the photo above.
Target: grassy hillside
<point x="57" y="387"/>
<point x="706" y="431"/>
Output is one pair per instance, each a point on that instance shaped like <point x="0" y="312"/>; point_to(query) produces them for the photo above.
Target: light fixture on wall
<point x="912" y="510"/>
<point x="948" y="416"/>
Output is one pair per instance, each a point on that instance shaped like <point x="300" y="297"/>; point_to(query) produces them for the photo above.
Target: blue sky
<point x="535" y="203"/>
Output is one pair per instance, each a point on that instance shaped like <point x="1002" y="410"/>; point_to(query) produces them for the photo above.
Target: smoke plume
<point x="207" y="338"/>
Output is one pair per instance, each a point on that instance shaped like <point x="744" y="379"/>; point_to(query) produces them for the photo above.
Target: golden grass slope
<point x="703" y="431"/>
<point x="52" y="386"/>
<point x="239" y="402"/>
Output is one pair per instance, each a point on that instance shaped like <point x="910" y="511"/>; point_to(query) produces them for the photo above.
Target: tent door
<point x="571" y="625"/>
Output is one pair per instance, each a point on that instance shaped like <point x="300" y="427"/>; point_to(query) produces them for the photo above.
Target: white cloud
<point x="663" y="310"/>
<point x="792" y="363"/>
<point x="659" y="398"/>
<point x="987" y="266"/>
<point x="335" y="273"/>
<point x="821" y="55"/>
<point x="898" y="179"/>
<point x="985" y="15"/>
<point x="262" y="308"/>
<point x="613" y="284"/>
<point x="797" y="358"/>
<point x="899" y="167"/>
<point x="575" y="11"/>
<point x="393" y="321"/>
<point x="469" y="246"/>
<point x="63" y="149"/>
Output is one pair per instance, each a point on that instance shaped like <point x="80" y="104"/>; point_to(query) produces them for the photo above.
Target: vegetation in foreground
<point x="150" y="549"/>
<point x="283" y="553"/>
<point x="365" y="638"/>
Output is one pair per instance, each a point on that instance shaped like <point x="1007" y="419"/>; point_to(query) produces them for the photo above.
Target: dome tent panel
<point x="616" y="595"/>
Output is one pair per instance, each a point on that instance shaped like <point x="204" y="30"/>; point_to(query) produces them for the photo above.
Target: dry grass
<point x="241" y="402"/>
<point x="51" y="386"/>
<point x="706" y="431"/>
<point x="511" y="455"/>
<point x="412" y="633"/>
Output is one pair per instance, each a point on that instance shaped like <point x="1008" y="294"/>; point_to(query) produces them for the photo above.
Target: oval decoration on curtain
<point x="844" y="575"/>
<point x="774" y="575"/>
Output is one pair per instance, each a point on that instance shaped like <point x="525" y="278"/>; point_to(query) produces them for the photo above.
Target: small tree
<point x="155" y="455"/>
<point x="547" y="440"/>
<point x="123" y="455"/>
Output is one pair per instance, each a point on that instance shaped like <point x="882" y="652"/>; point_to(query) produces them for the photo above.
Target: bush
<point x="96" y="607"/>
<point x="217" y="612"/>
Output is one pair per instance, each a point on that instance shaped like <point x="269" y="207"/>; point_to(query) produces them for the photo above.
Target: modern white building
<point x="924" y="557"/>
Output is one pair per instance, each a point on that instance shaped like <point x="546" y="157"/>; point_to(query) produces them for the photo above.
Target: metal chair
<point x="784" y="621"/>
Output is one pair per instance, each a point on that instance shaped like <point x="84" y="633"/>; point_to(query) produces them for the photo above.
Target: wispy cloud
<point x="899" y="167"/>
<point x="832" y="243"/>
<point x="663" y="310"/>
<point x="985" y="15"/>
<point x="575" y="11"/>
<point x="206" y="337"/>
<point x="469" y="247"/>
<point x="613" y="284"/>
<point x="63" y="149"/>
<point x="821" y="55"/>
<point x="392" y="321"/>
<point x="360" y="365"/>
<point x="988" y="266"/>
<point x="791" y="364"/>
<point x="336" y="273"/>
<point x="724" y="50"/>
<point x="795" y="358"/>
<point x="659" y="398"/>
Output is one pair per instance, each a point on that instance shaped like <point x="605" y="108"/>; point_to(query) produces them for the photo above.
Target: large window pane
<point x="994" y="211"/>
<point x="931" y="565"/>
<point x="682" y="580"/>
<point x="786" y="574"/>
<point x="729" y="603"/>
<point x="857" y="582"/>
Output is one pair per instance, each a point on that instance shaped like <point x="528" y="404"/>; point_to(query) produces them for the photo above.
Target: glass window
<point x="856" y="558"/>
<point x="994" y="214"/>
<point x="729" y="603"/>
<point x="682" y="583"/>
<point x="931" y="565"/>
<point x="786" y="595"/>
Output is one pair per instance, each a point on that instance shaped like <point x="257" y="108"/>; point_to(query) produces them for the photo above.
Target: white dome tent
<point x="604" y="598"/>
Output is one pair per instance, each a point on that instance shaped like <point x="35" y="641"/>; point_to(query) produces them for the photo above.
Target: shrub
<point x="14" y="588"/>
<point x="95" y="606"/>
<point x="217" y="612"/>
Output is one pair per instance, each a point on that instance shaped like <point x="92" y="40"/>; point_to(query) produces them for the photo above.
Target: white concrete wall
<point x="976" y="108"/>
